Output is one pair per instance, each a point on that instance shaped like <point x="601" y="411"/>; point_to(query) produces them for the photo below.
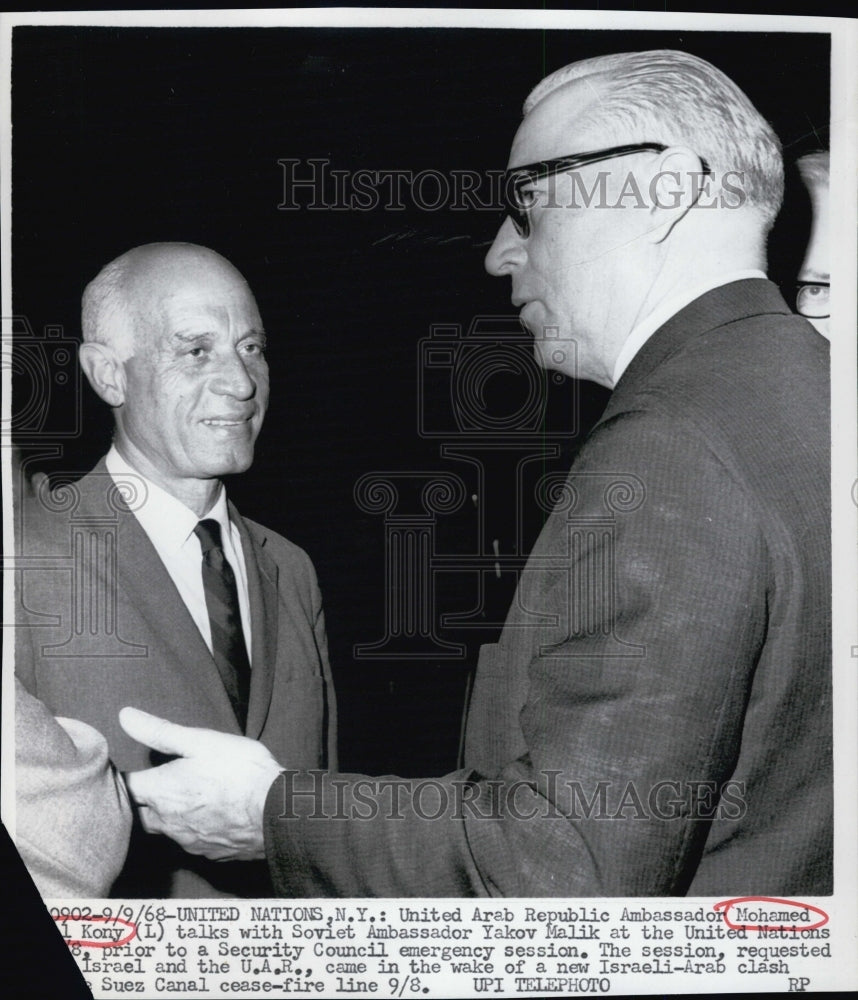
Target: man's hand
<point x="211" y="799"/>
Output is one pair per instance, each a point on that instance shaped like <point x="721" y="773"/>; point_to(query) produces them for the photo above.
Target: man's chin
<point x="228" y="465"/>
<point x="235" y="468"/>
<point x="555" y="356"/>
<point x="528" y="318"/>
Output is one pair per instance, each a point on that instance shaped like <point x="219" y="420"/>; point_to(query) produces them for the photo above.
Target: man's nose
<point x="233" y="377"/>
<point x="506" y="251"/>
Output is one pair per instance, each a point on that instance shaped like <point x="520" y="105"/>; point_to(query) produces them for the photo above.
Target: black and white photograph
<point x="429" y="466"/>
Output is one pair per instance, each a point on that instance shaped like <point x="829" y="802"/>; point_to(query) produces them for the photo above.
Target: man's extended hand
<point x="211" y="799"/>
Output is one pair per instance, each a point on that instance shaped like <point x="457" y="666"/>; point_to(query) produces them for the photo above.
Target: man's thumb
<point x="159" y="734"/>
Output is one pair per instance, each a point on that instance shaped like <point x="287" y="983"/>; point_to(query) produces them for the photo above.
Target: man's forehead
<point x="166" y="282"/>
<point x="809" y="274"/>
<point x="166" y="272"/>
<point x="549" y="129"/>
<point x="167" y="303"/>
<point x="818" y="189"/>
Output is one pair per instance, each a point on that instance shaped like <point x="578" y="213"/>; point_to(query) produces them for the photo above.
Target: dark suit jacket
<point x="102" y="626"/>
<point x="660" y="697"/>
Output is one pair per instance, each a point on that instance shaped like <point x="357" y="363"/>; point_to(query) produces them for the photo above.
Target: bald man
<point x="656" y="717"/>
<point x="176" y="602"/>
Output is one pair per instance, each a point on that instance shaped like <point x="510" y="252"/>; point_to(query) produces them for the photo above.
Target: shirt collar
<point x="670" y="307"/>
<point x="166" y="520"/>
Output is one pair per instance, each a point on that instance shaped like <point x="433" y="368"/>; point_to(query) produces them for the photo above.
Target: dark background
<point x="123" y="137"/>
<point x="126" y="136"/>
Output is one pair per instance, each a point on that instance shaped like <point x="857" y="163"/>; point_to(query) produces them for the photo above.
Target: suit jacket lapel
<point x="153" y="595"/>
<point x="262" y="576"/>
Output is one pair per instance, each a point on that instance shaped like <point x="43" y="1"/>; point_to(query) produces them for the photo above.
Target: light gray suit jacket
<point x="72" y="816"/>
<point x="101" y="625"/>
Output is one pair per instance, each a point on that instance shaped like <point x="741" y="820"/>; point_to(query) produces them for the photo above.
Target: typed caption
<point x="396" y="948"/>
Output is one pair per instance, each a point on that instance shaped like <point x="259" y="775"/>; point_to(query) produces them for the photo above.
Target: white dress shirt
<point x="169" y="526"/>
<point x="670" y="307"/>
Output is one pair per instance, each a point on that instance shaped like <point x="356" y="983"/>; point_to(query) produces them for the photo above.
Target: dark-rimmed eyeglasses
<point x="812" y="299"/>
<point x="518" y="200"/>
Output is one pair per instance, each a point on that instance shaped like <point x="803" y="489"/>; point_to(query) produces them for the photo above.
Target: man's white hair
<point x="106" y="314"/>
<point x="675" y="98"/>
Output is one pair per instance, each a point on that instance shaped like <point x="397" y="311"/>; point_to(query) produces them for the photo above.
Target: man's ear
<point x="106" y="373"/>
<point x="678" y="185"/>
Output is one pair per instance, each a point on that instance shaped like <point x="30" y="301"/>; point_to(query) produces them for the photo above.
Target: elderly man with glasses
<point x="656" y="717"/>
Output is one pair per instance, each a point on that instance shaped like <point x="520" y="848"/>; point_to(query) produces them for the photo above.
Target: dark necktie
<point x="228" y="646"/>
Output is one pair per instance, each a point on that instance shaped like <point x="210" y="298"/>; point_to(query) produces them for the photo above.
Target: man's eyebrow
<point x="190" y="336"/>
<point x="257" y="332"/>
<point x="811" y="277"/>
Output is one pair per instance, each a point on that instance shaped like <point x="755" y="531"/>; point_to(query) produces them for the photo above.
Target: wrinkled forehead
<point x="551" y="128"/>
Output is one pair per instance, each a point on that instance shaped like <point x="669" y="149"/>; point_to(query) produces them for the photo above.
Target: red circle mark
<point x="725" y="905"/>
<point x="87" y="943"/>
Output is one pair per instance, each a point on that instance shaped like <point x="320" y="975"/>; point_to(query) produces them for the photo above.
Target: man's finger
<point x="160" y="734"/>
<point x="139" y="785"/>
<point x="150" y="820"/>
